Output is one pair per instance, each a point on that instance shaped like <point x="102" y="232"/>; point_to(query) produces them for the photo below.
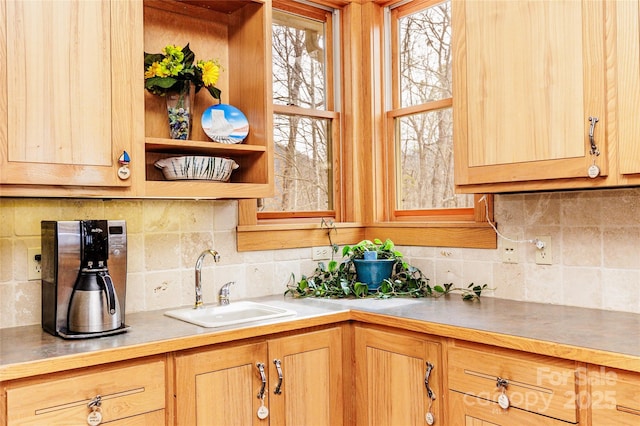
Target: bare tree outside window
<point x="424" y="141"/>
<point x="302" y="142"/>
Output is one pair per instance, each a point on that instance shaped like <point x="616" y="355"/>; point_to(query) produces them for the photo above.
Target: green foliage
<point x="472" y="292"/>
<point x="330" y="225"/>
<point x="169" y="70"/>
<point x="339" y="280"/>
<point x="384" y="250"/>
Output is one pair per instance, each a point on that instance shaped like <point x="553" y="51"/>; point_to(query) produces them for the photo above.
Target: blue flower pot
<point x="373" y="272"/>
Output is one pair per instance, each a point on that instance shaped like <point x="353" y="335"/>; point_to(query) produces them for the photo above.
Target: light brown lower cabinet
<point x="470" y="411"/>
<point x="613" y="398"/>
<point x="130" y="393"/>
<point x="392" y="371"/>
<point x="495" y="386"/>
<point x="308" y="381"/>
<point x="221" y="385"/>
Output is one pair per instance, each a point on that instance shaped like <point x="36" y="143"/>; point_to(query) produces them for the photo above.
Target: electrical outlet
<point x="509" y="251"/>
<point x="321" y="253"/>
<point x="34" y="267"/>
<point x="543" y="255"/>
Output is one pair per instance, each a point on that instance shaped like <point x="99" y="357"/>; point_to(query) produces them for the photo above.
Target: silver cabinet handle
<point x="430" y="393"/>
<point x="594" y="148"/>
<point x="430" y="418"/>
<point x="278" y="387"/>
<point x="263" y="378"/>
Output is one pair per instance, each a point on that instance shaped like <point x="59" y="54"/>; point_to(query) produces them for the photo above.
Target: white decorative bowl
<point x="197" y="167"/>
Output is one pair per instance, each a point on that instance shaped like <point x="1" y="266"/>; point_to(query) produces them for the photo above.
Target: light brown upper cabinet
<point x="528" y="75"/>
<point x="628" y="94"/>
<point x="68" y="103"/>
<point x="75" y="98"/>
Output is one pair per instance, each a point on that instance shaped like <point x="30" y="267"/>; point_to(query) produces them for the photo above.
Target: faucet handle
<point x="224" y="293"/>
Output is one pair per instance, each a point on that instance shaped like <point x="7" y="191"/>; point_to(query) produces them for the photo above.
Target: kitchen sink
<point x="231" y="314"/>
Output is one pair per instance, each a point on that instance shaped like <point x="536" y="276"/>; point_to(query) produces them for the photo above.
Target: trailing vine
<point x="339" y="279"/>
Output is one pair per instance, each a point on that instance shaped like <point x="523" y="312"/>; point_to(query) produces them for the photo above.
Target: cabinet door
<point x="69" y="101"/>
<point x="220" y="386"/>
<point x="311" y="387"/>
<point x="628" y="60"/>
<point x="527" y="77"/>
<point x="390" y="384"/>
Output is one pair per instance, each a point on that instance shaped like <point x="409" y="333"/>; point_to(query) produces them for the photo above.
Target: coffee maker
<point x="84" y="273"/>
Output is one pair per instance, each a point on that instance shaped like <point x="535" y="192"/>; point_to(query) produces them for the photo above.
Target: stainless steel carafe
<point x="94" y="305"/>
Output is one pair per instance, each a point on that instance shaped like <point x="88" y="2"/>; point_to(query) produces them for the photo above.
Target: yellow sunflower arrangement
<point x="169" y="70"/>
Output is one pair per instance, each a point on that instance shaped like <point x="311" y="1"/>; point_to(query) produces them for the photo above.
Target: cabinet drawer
<point x="470" y="411"/>
<point x="126" y="390"/>
<point x="155" y="418"/>
<point x="614" y="396"/>
<point x="535" y="383"/>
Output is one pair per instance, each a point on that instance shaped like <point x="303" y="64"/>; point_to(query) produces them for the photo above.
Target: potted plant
<point x="374" y="261"/>
<point x="341" y="280"/>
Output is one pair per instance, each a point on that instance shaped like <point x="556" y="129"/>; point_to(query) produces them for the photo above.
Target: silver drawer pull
<point x="503" y="399"/>
<point x="95" y="416"/>
<point x="501" y="383"/>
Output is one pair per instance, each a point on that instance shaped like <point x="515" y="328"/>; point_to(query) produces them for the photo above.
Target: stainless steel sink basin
<point x="231" y="314"/>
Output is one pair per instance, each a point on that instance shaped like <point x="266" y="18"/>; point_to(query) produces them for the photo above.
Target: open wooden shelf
<point x="237" y="33"/>
<point x="200" y="148"/>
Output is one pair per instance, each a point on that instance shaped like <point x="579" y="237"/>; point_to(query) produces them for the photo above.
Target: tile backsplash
<point x="594" y="240"/>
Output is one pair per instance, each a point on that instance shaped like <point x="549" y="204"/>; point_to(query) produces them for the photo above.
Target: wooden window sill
<point x="432" y="234"/>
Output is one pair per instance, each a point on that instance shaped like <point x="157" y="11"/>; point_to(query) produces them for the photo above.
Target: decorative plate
<point x="225" y="124"/>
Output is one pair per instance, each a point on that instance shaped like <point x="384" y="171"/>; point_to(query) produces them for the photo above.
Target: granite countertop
<point x="561" y="331"/>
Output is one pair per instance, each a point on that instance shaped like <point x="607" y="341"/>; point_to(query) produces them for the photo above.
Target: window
<point x="420" y="112"/>
<point x="304" y="113"/>
<point x="348" y="166"/>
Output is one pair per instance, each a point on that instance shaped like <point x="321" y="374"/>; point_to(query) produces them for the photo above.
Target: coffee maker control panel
<point x="117" y="239"/>
<point x="94" y="248"/>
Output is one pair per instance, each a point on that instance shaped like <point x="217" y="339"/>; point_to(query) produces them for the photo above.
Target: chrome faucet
<point x="223" y="296"/>
<point x="216" y="258"/>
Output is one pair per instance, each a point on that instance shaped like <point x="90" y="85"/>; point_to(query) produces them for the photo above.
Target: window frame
<point x="363" y="159"/>
<point x="394" y="111"/>
<point x="331" y="113"/>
